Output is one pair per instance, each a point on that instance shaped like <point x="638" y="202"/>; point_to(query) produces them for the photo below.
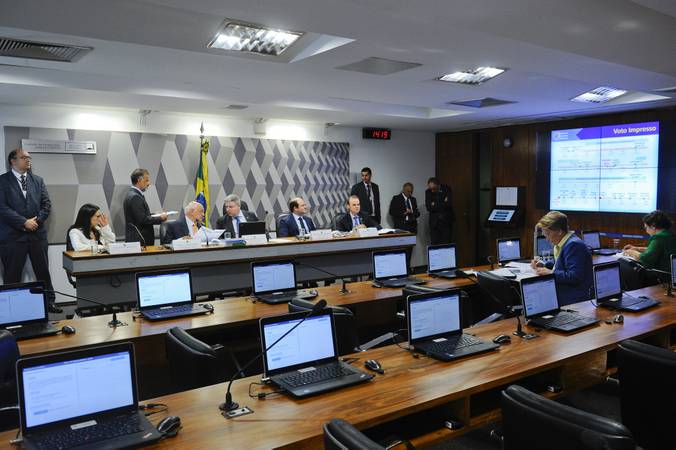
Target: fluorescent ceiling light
<point x="599" y="95"/>
<point x="472" y="76"/>
<point x="252" y="38"/>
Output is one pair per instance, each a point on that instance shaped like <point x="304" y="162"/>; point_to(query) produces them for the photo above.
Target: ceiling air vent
<point x="482" y="102"/>
<point x="236" y="107"/>
<point x="378" y="66"/>
<point x="18" y="48"/>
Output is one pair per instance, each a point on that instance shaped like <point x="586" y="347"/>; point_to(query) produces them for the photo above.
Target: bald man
<point x="187" y="226"/>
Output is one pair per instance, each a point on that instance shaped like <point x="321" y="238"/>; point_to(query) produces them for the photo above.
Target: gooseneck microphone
<point x="343" y="290"/>
<point x="143" y="240"/>
<point x="114" y="323"/>
<point x="229" y="404"/>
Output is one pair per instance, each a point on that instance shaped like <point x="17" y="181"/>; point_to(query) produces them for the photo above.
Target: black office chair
<point x="9" y="354"/>
<point x="341" y="435"/>
<point x="163" y="231"/>
<point x="533" y="422"/>
<point x="279" y="220"/>
<point x="647" y="394"/>
<point x="345" y="323"/>
<point x="193" y="363"/>
<point x="502" y="294"/>
<point x="337" y="218"/>
<point x="632" y="274"/>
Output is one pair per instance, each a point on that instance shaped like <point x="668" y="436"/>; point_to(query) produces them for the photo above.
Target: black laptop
<point x="390" y="269"/>
<point x="248" y="228"/>
<point x="509" y="249"/>
<point x="24" y="314"/>
<point x="593" y="241"/>
<point x="441" y="261"/>
<point x="607" y="287"/>
<point x="305" y="362"/>
<point x="275" y="282"/>
<point x="541" y="306"/>
<point x="435" y="326"/>
<point x="166" y="295"/>
<point x="85" y="399"/>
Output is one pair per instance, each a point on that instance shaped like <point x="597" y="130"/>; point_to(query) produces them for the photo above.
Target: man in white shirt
<point x="296" y="223"/>
<point x="187" y="226"/>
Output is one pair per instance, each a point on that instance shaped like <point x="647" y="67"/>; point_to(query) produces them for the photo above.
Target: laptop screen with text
<point x="539" y="295"/>
<point x="18" y="305"/>
<point x="272" y="277"/>
<point x="509" y="250"/>
<point x="389" y="264"/>
<point x="434" y="315"/>
<point x="163" y="288"/>
<point x="607" y="281"/>
<point x="441" y="257"/>
<point x="592" y="239"/>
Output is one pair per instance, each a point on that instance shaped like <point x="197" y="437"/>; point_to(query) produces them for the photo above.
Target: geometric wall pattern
<point x="265" y="173"/>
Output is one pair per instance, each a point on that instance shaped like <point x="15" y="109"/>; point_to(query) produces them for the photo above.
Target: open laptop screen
<point x="607" y="281"/>
<point x="433" y="315"/>
<point x="673" y="271"/>
<point x="70" y="388"/>
<point x="441" y="257"/>
<point x="592" y="239"/>
<point x="311" y="341"/>
<point x="273" y="277"/>
<point x="542" y="246"/>
<point x="539" y="295"/>
<point x="18" y="305"/>
<point x="389" y="264"/>
<point x="509" y="249"/>
<point x="163" y="288"/>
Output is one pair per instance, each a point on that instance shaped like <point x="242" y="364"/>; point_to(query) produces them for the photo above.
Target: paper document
<point x="169" y="213"/>
<point x="521" y="267"/>
<point x="504" y="273"/>
<point x="387" y="231"/>
<point x="506" y="196"/>
<point x="207" y="234"/>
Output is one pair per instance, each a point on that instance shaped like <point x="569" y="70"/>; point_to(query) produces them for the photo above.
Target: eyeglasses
<point x="25" y="158"/>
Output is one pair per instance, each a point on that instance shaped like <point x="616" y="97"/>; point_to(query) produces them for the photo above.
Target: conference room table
<point x="219" y="268"/>
<point x="417" y="394"/>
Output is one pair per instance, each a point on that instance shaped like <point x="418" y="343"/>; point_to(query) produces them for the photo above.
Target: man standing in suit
<point x="24" y="208"/>
<point x="234" y="215"/>
<point x="439" y="202"/>
<point x="354" y="217"/>
<point x="369" y="195"/>
<point x="187" y="226"/>
<point x="139" y="221"/>
<point x="296" y="223"/>
<point x="404" y="209"/>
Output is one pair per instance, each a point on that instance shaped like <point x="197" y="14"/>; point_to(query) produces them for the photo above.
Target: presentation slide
<point x="608" y="169"/>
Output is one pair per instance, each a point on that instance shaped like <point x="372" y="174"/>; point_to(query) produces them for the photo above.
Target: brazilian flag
<point x="202" y="182"/>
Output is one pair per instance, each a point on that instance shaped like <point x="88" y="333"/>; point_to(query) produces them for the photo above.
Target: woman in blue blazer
<point x="572" y="267"/>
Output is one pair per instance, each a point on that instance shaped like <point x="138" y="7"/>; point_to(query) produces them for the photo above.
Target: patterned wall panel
<point x="263" y="172"/>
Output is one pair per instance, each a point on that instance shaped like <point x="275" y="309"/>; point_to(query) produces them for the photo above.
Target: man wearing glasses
<point x="24" y="208"/>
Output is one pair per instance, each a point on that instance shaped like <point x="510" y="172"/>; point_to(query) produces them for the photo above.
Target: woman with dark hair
<point x="661" y="244"/>
<point x="91" y="226"/>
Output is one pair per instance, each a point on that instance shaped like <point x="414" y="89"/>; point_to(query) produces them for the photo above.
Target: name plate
<point x="186" y="244"/>
<point x="122" y="248"/>
<point x="367" y="232"/>
<point x="321" y="235"/>
<point x="255" y="239"/>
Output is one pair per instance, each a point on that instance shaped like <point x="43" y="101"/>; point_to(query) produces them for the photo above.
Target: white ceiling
<point x="151" y="54"/>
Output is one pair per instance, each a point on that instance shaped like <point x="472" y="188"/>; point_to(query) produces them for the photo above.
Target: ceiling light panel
<point x="472" y="76"/>
<point x="599" y="95"/>
<point x="252" y="38"/>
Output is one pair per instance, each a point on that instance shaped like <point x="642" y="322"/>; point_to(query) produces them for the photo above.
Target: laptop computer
<point x="441" y="261"/>
<point x="247" y="228"/>
<point x="166" y="295"/>
<point x="509" y="249"/>
<point x="24" y="314"/>
<point x="275" y="282"/>
<point x="390" y="269"/>
<point x="435" y="327"/>
<point x="543" y="247"/>
<point x="541" y="306"/>
<point x="593" y="241"/>
<point x="673" y="271"/>
<point x="85" y="398"/>
<point x="305" y="362"/>
<point x="607" y="287"/>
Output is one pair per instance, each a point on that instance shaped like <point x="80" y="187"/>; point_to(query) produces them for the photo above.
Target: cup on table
<point x="226" y="235"/>
<point x="616" y="244"/>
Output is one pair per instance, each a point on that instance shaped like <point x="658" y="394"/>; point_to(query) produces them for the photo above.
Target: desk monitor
<point x="543" y="246"/>
<point x="165" y="288"/>
<point x="539" y="296"/>
<point x="248" y="228"/>
<point x="592" y="239"/>
<point x="389" y="264"/>
<point x="441" y="257"/>
<point x="19" y="307"/>
<point x="433" y="315"/>
<point x="509" y="249"/>
<point x="501" y="215"/>
<point x="607" y="284"/>
<point x="273" y="276"/>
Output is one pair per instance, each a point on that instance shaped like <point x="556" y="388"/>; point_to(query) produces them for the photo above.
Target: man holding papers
<point x="187" y="226"/>
<point x="138" y="220"/>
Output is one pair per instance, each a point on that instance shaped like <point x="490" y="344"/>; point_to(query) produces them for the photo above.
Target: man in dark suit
<point x="404" y="209"/>
<point x="234" y="215"/>
<point x="297" y="222"/>
<point x="187" y="226"/>
<point x="439" y="202"/>
<point x="24" y="208"/>
<point x="354" y="217"/>
<point x="139" y="221"/>
<point x="369" y="195"/>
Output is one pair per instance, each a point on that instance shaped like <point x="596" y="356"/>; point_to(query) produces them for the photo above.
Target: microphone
<point x="114" y="323"/>
<point x="203" y="228"/>
<point x="343" y="290"/>
<point x="143" y="240"/>
<point x="229" y="404"/>
<point x="491" y="261"/>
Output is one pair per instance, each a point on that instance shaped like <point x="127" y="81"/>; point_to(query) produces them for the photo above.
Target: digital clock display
<point x="376" y="133"/>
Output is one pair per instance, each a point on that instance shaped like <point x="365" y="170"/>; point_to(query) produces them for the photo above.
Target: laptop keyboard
<point x="28" y="330"/>
<point x="464" y="340"/>
<point x="174" y="311"/>
<point x="321" y="373"/>
<point x="110" y="429"/>
<point x="560" y="319"/>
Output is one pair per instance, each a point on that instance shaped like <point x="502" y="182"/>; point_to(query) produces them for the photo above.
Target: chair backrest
<point x="9" y="354"/>
<point x="500" y="291"/>
<point x="647" y="393"/>
<point x="163" y="230"/>
<point x="337" y="218"/>
<point x="279" y="220"/>
<point x="343" y="318"/>
<point x="341" y="435"/>
<point x="192" y="363"/>
<point x="533" y="422"/>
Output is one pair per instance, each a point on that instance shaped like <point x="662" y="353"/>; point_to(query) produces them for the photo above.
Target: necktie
<point x="24" y="187"/>
<point x="303" y="230"/>
<point x="194" y="228"/>
<point x="237" y="226"/>
<point x="368" y="191"/>
<point x="408" y="206"/>
<point x="356" y="220"/>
